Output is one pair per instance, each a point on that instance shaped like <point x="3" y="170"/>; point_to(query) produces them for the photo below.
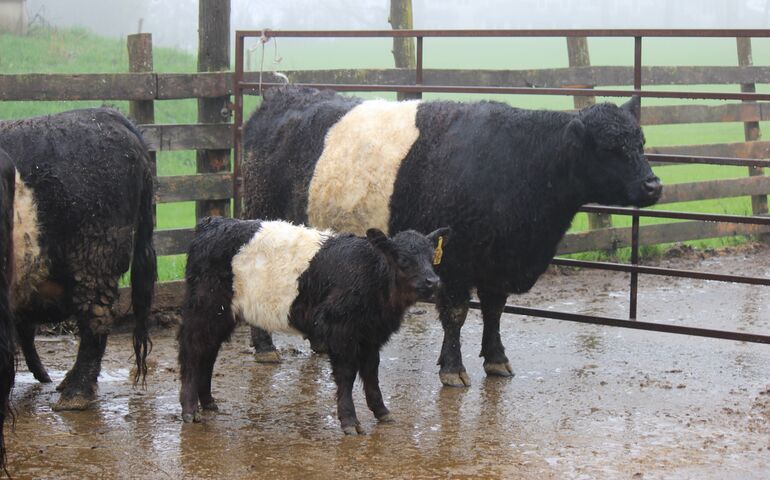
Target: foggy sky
<point x="174" y="22"/>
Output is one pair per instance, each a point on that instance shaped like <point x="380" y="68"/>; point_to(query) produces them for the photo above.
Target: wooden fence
<point x="143" y="88"/>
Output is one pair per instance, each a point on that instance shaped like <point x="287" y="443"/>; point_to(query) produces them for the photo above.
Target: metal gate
<point x="240" y="86"/>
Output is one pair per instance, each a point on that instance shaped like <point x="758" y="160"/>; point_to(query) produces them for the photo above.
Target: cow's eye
<point x="404" y="262"/>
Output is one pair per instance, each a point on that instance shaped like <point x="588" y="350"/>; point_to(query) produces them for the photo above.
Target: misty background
<point x="174" y="23"/>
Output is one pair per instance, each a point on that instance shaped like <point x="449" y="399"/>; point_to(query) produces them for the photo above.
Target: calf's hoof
<point x="211" y="405"/>
<point x="194" y="417"/>
<point x="73" y="402"/>
<point x="455" y="379"/>
<point x="268" y="356"/>
<point x="499" y="369"/>
<point x="42" y="377"/>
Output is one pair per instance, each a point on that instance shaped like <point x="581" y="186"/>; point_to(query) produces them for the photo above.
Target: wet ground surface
<point x="586" y="401"/>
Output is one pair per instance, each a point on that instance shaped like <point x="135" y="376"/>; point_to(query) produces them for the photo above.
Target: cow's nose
<point x="653" y="187"/>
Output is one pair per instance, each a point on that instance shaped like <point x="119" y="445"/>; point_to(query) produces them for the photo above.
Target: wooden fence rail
<point x="174" y="86"/>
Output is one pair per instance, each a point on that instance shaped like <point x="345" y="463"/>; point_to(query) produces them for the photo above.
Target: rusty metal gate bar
<point x="240" y="87"/>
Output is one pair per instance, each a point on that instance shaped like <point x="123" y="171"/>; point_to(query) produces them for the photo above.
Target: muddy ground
<point x="586" y="401"/>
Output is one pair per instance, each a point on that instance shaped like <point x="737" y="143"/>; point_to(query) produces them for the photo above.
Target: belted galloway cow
<point x="508" y="182"/>
<point x="82" y="215"/>
<point x="7" y="343"/>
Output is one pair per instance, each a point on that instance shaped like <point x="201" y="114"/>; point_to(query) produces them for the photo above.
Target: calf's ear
<point x="444" y="233"/>
<point x="381" y="242"/>
<point x="633" y="106"/>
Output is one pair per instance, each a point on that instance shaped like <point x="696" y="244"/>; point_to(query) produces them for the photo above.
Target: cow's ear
<point x="441" y="235"/>
<point x="633" y="106"/>
<point x="381" y="242"/>
<point x="575" y="134"/>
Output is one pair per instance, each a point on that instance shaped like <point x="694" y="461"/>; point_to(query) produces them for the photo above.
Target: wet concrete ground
<point x="586" y="401"/>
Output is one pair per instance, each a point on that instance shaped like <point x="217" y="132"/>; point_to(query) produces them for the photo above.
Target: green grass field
<point x="78" y="51"/>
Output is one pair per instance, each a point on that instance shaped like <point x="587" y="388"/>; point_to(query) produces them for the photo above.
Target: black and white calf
<point x="507" y="181"/>
<point x="83" y="213"/>
<point x="347" y="292"/>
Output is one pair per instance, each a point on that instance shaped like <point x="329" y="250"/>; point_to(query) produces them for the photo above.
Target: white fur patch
<point x="353" y="180"/>
<point x="266" y="272"/>
<point x="30" y="268"/>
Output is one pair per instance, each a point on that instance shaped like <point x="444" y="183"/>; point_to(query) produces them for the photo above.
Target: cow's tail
<point x="143" y="273"/>
<point x="7" y="344"/>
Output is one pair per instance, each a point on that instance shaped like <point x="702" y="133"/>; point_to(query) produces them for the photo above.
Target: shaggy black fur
<point x="352" y="297"/>
<point x="7" y="347"/>
<point x="508" y="181"/>
<point x="281" y="147"/>
<point x="89" y="170"/>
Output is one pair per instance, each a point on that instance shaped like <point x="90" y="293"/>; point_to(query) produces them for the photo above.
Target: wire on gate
<point x="263" y="39"/>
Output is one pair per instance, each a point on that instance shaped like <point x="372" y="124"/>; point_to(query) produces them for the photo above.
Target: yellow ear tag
<point x="439" y="252"/>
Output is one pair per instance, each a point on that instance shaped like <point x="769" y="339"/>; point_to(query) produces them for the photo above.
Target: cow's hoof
<point x="194" y="417"/>
<point x="353" y="430"/>
<point x="499" y="369"/>
<point x="210" y="405"/>
<point x="455" y="379"/>
<point x="42" y="377"/>
<point x="387" y="418"/>
<point x="74" y="402"/>
<point x="268" y="356"/>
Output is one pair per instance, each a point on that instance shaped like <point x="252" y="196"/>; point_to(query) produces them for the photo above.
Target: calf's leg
<point x="452" y="308"/>
<point x="369" y="370"/>
<point x="26" y="331"/>
<point x="196" y="348"/>
<point x="495" y="361"/>
<point x="207" y="321"/>
<point x="204" y="380"/>
<point x="344" y="373"/>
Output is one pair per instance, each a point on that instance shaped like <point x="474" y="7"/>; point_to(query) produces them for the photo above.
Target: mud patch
<point x="587" y="401"/>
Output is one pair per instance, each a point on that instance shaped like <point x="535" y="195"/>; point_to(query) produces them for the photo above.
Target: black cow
<point x="347" y="292"/>
<point x="83" y="209"/>
<point x="508" y="181"/>
<point x="7" y="345"/>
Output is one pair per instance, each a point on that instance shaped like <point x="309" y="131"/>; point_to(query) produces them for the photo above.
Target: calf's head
<point x="611" y="145"/>
<point x="412" y="256"/>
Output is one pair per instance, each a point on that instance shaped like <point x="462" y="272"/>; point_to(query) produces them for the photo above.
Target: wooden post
<point x="577" y="51"/>
<point x="213" y="56"/>
<point x="139" y="61"/>
<point x="403" y="47"/>
<point x="751" y="129"/>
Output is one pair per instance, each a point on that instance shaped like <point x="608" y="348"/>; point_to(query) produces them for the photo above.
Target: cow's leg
<point x="344" y="373"/>
<point x="369" y="369"/>
<point x="264" y="350"/>
<point x="78" y="389"/>
<point x="26" y="329"/>
<point x="452" y="309"/>
<point x="495" y="361"/>
<point x="97" y="260"/>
